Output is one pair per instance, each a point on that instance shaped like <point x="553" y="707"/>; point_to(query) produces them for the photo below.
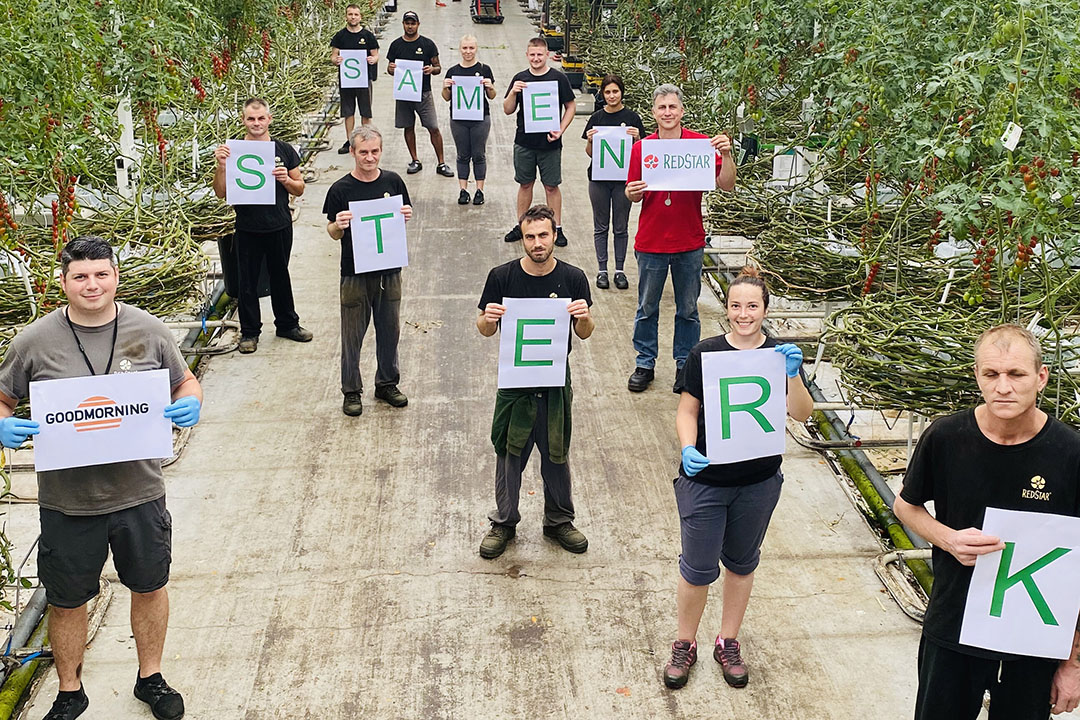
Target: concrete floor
<point x="327" y="567"/>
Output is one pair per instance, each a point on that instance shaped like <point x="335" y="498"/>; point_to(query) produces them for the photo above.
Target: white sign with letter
<point x="1025" y="599"/>
<point x="543" y="111"/>
<point x="533" y="342"/>
<point x="611" y="153"/>
<point x="409" y="80"/>
<point x="678" y="164"/>
<point x="378" y="234"/>
<point x="353" y="69"/>
<point x="101" y="419"/>
<point x="745" y="404"/>
<point x="249" y="178"/>
<point x="467" y="98"/>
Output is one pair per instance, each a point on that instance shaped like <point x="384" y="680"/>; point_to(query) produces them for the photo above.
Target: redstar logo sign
<point x="651" y="161"/>
<point x="96" y="413"/>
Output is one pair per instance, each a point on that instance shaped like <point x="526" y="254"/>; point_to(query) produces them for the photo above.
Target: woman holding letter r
<point x="724" y="509"/>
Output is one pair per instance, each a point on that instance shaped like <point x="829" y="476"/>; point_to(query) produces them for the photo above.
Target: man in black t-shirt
<point x="534" y="416"/>
<point x="355" y="36"/>
<point x="541" y="151"/>
<point x="264" y="232"/>
<point x="414" y="46"/>
<point x="991" y="456"/>
<point x="369" y="295"/>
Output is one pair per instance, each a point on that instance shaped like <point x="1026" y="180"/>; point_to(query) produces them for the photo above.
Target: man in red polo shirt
<point x="670" y="233"/>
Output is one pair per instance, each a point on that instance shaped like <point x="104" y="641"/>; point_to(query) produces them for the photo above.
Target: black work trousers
<point x="251" y="248"/>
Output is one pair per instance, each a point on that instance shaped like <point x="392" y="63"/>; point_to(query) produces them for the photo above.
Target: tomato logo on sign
<point x="651" y="161"/>
<point x="104" y="420"/>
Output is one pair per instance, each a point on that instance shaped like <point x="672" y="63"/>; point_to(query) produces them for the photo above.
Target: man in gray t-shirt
<point x="86" y="510"/>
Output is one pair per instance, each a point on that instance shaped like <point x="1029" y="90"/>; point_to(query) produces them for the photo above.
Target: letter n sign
<point x="745" y="404"/>
<point x="611" y="153"/>
<point x="533" y="342"/>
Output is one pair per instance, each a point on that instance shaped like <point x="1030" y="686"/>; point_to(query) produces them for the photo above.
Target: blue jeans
<point x="686" y="281"/>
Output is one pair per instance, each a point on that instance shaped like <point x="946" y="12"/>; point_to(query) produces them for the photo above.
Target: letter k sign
<point x="1005" y="581"/>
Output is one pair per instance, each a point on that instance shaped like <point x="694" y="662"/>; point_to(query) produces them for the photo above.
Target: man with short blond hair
<point x="264" y="233"/>
<point x="965" y="463"/>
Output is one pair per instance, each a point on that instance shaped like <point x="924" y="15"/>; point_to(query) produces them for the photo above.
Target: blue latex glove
<point x="793" y="358"/>
<point x="184" y="412"/>
<point x="14" y="431"/>
<point x="693" y="462"/>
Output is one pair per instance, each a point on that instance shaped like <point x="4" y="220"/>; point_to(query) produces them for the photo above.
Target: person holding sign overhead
<point x="368" y="293"/>
<point x="355" y="37"/>
<point x="262" y="231"/>
<point x="1005" y="454"/>
<point x="670" y="234"/>
<point x="86" y="511"/>
<point x="608" y="196"/>
<point x="724" y="509"/>
<point x="467" y="86"/>
<point x="414" y="80"/>
<point x="544" y="101"/>
<point x="534" y="416"/>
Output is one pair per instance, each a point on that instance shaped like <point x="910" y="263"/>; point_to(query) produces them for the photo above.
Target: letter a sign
<point x="249" y="178"/>
<point x="1025" y="599"/>
<point x="378" y="234"/>
<point x="408" y="80"/>
<point x="534" y="339"/>
<point x="353" y="68"/>
<point x="745" y="406"/>
<point x="611" y="153"/>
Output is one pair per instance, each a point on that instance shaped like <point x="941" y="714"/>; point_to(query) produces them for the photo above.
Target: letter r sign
<point x="745" y="404"/>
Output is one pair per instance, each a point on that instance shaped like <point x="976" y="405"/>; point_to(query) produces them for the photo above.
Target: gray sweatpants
<point x="470" y="137"/>
<point x="558" y="506"/>
<point x="363" y="296"/>
<point x="609" y="200"/>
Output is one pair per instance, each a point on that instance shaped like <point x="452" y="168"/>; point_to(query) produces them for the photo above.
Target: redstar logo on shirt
<point x="651" y="161"/>
<point x="1036" y="492"/>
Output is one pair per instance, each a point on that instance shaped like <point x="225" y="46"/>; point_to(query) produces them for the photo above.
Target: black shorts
<point x="73" y="549"/>
<point x="952" y="684"/>
<point x="351" y="98"/>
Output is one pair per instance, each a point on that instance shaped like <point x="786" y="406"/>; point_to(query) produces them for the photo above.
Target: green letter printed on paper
<point x="521" y="340"/>
<point x="727" y="408"/>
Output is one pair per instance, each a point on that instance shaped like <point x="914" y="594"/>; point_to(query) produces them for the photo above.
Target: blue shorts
<point x="723" y="525"/>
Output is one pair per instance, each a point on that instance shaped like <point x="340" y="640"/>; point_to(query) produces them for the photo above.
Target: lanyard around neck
<point x="82" y="350"/>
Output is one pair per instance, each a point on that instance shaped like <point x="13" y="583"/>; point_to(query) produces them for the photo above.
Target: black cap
<point x="411" y="15"/>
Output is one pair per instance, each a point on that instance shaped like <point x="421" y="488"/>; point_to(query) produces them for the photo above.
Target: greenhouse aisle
<point x="327" y="567"/>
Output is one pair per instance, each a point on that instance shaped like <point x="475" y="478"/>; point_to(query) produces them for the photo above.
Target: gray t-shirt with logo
<point x="46" y="350"/>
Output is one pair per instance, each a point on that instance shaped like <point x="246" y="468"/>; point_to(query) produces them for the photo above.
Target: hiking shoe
<point x="297" y="334"/>
<point x="165" y="703"/>
<point x="572" y="539"/>
<point x="352" y="405"/>
<point x="68" y="705"/>
<point x="560" y="238"/>
<point x="683" y="656"/>
<point x="620" y="280"/>
<point x="344" y="149"/>
<point x="478" y="197"/>
<point x="602" y="281"/>
<point x="494" y="543"/>
<point x="514" y="235"/>
<point x="640" y="379"/>
<point x="463" y="197"/>
<point x="414" y="167"/>
<point x="442" y="168"/>
<point x="727" y="654"/>
<point x="248" y="345"/>
<point x="391" y="395"/>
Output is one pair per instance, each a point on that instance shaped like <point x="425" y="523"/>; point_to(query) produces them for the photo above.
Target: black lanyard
<point x="82" y="350"/>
